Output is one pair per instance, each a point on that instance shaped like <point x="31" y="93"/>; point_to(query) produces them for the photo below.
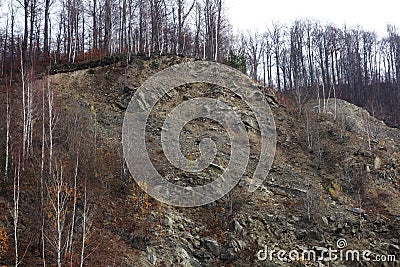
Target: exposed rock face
<point x="331" y="179"/>
<point x="317" y="192"/>
<point x="355" y="118"/>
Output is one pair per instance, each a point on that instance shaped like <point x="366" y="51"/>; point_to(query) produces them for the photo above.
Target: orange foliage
<point x="140" y="197"/>
<point x="286" y="100"/>
<point x="3" y="241"/>
<point x="89" y="55"/>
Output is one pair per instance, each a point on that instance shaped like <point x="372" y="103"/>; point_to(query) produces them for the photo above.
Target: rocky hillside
<point x="335" y="177"/>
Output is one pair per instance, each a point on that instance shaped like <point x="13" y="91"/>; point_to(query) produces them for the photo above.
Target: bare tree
<point x="58" y="194"/>
<point x="16" y="198"/>
<point x="86" y="224"/>
<point x="32" y="12"/>
<point x="254" y="46"/>
<point x="8" y="120"/>
<point x="70" y="241"/>
<point x="51" y="119"/>
<point x="297" y="61"/>
<point x="182" y="15"/>
<point x="198" y="30"/>
<point x="275" y="34"/>
<point x="25" y="4"/>
<point x="46" y="35"/>
<point x="27" y="113"/>
<point x="213" y="26"/>
<point x="42" y="204"/>
<point x="4" y="48"/>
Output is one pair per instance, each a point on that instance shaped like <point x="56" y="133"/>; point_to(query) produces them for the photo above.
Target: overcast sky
<point x="257" y="14"/>
<point x="372" y="15"/>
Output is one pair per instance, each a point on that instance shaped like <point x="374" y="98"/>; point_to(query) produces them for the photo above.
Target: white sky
<point x="371" y="15"/>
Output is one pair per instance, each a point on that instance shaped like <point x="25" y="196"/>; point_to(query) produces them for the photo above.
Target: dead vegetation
<point x="329" y="180"/>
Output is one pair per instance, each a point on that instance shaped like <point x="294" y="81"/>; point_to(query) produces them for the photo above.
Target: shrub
<point x="335" y="190"/>
<point x="237" y="60"/>
<point x="90" y="71"/>
<point x="154" y="64"/>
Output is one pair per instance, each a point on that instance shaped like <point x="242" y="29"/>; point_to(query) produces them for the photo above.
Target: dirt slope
<point x="331" y="179"/>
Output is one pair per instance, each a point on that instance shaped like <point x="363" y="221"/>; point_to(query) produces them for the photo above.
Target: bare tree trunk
<point x="27" y="113"/>
<point x="123" y="41"/>
<point x="180" y="26"/>
<point x="218" y="28"/>
<point x="8" y="118"/>
<point x="12" y="45"/>
<point x="46" y="27"/>
<point x="42" y="177"/>
<point x="277" y="43"/>
<point x="16" y="193"/>
<point x="197" y="50"/>
<point x="76" y="34"/>
<point x="318" y="93"/>
<point x="71" y="237"/>
<point x="32" y="25"/>
<point x="4" y="50"/>
<point x="95" y="31"/>
<point x="108" y="27"/>
<point x="335" y="99"/>
<point x="25" y="40"/>
<point x="58" y="192"/>
<point x="24" y="129"/>
<point x="85" y="218"/>
<point x="310" y="55"/>
<point x="59" y="213"/>
<point x="51" y="127"/>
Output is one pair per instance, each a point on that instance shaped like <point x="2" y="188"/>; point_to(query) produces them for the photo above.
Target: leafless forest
<point x="307" y="56"/>
<point x="349" y="61"/>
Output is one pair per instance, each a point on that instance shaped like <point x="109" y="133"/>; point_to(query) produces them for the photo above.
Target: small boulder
<point x="212" y="245"/>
